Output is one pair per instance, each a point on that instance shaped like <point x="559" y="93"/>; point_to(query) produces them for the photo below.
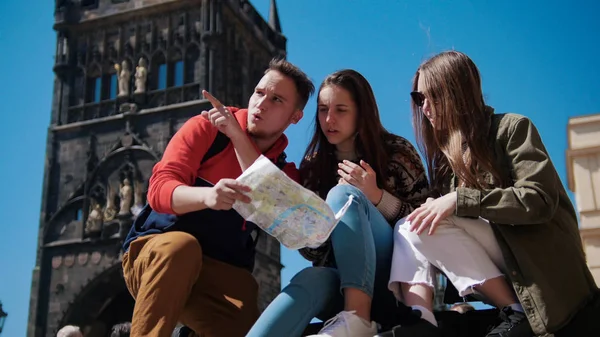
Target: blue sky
<point x="537" y="58"/>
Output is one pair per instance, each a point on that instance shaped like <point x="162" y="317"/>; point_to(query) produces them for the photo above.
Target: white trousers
<point x="464" y="249"/>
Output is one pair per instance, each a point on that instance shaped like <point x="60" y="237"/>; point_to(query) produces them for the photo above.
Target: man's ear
<point x="298" y="114"/>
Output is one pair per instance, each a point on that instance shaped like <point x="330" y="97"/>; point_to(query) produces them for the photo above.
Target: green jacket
<point x="535" y="224"/>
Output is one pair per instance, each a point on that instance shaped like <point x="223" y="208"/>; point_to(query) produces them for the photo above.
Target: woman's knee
<point x="316" y="282"/>
<point x="343" y="191"/>
<point x="402" y="233"/>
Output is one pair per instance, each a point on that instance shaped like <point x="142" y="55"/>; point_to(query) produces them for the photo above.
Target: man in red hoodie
<point x="189" y="258"/>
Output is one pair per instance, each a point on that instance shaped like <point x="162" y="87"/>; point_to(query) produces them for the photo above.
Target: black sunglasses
<point x="418" y="98"/>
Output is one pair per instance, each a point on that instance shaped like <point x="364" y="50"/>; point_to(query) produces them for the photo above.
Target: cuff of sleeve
<point x="468" y="202"/>
<point x="389" y="205"/>
<point x="166" y="196"/>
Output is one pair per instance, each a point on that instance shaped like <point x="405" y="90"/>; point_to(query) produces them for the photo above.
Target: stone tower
<point x="128" y="74"/>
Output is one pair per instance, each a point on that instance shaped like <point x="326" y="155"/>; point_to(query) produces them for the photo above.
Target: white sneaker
<point x="347" y="324"/>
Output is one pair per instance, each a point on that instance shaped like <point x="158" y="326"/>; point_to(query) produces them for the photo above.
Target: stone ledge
<point x="162" y="109"/>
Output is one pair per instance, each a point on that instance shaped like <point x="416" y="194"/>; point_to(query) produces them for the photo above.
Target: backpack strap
<point x="281" y="160"/>
<point x="218" y="145"/>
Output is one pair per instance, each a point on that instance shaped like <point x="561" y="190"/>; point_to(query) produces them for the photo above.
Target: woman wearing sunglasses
<point x="350" y="154"/>
<point x="502" y="224"/>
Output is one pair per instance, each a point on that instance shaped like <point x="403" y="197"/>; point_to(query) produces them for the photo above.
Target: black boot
<point x="420" y="329"/>
<point x="412" y="325"/>
<point x="511" y="324"/>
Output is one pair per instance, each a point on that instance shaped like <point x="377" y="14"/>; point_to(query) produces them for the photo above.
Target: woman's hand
<point x="363" y="177"/>
<point x="431" y="213"/>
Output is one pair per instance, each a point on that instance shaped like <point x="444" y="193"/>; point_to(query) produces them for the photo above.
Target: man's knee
<point x="177" y="246"/>
<point x="177" y="251"/>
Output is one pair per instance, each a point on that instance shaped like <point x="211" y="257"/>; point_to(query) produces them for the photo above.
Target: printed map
<point x="295" y="216"/>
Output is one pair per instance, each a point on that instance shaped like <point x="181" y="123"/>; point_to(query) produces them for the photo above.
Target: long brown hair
<point x="459" y="142"/>
<point x="319" y="165"/>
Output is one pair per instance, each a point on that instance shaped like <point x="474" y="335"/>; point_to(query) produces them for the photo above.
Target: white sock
<point x="517" y="307"/>
<point x="365" y="322"/>
<point x="426" y="314"/>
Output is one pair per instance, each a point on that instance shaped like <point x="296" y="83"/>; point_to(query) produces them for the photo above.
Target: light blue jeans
<point x="362" y="245"/>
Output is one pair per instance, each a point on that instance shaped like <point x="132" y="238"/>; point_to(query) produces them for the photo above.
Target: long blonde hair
<point x="460" y="141"/>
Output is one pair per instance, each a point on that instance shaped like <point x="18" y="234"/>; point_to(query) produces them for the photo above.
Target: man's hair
<point x="69" y="331"/>
<point x="121" y="330"/>
<point x="304" y="85"/>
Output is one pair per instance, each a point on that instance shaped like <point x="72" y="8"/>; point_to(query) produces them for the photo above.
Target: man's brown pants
<point x="172" y="282"/>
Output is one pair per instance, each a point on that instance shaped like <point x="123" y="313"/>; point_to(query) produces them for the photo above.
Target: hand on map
<point x="225" y="193"/>
<point x="361" y="176"/>
<point x="432" y="213"/>
<point x="221" y="117"/>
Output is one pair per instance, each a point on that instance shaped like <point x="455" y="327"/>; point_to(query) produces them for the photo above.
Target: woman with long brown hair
<point x="350" y="154"/>
<point x="501" y="224"/>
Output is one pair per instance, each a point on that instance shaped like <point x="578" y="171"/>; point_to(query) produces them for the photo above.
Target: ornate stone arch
<point x="94" y="69"/>
<point x="101" y="302"/>
<point x="67" y="222"/>
<point x="116" y="189"/>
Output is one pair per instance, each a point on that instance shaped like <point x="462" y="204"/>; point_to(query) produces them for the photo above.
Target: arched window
<point x="192" y="64"/>
<point x="78" y="83"/>
<point x="110" y="81"/>
<point x="79" y="214"/>
<point x="94" y="85"/>
<point x="158" y="70"/>
<point x="113" y="91"/>
<point x="175" y="73"/>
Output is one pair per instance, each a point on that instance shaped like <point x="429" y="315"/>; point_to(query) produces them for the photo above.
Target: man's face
<point x="273" y="106"/>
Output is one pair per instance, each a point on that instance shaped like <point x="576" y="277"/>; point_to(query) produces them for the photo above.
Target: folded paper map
<point x="294" y="215"/>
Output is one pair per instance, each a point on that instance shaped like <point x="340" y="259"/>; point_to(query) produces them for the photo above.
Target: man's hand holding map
<point x="294" y="215"/>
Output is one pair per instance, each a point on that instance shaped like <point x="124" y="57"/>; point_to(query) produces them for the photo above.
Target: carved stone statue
<point x="123" y="74"/>
<point x="126" y="194"/>
<point x="111" y="210"/>
<point x="138" y="198"/>
<point x="141" y="73"/>
<point x="93" y="223"/>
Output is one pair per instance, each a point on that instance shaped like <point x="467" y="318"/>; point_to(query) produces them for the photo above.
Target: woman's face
<point x="426" y="108"/>
<point x="337" y="115"/>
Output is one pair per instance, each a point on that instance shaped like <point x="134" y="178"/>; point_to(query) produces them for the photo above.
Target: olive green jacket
<point x="535" y="225"/>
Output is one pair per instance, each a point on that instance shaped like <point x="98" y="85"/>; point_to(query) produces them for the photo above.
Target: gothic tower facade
<point x="128" y="74"/>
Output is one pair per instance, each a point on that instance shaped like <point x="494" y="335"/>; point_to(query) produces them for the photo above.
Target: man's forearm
<point x="244" y="150"/>
<point x="186" y="199"/>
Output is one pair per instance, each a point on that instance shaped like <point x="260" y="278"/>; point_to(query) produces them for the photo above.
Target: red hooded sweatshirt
<point x="180" y="164"/>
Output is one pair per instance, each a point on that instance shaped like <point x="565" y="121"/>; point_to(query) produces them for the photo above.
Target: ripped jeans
<point x="362" y="245"/>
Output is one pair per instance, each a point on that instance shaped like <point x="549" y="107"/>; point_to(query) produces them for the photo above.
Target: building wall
<point x="583" y="169"/>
